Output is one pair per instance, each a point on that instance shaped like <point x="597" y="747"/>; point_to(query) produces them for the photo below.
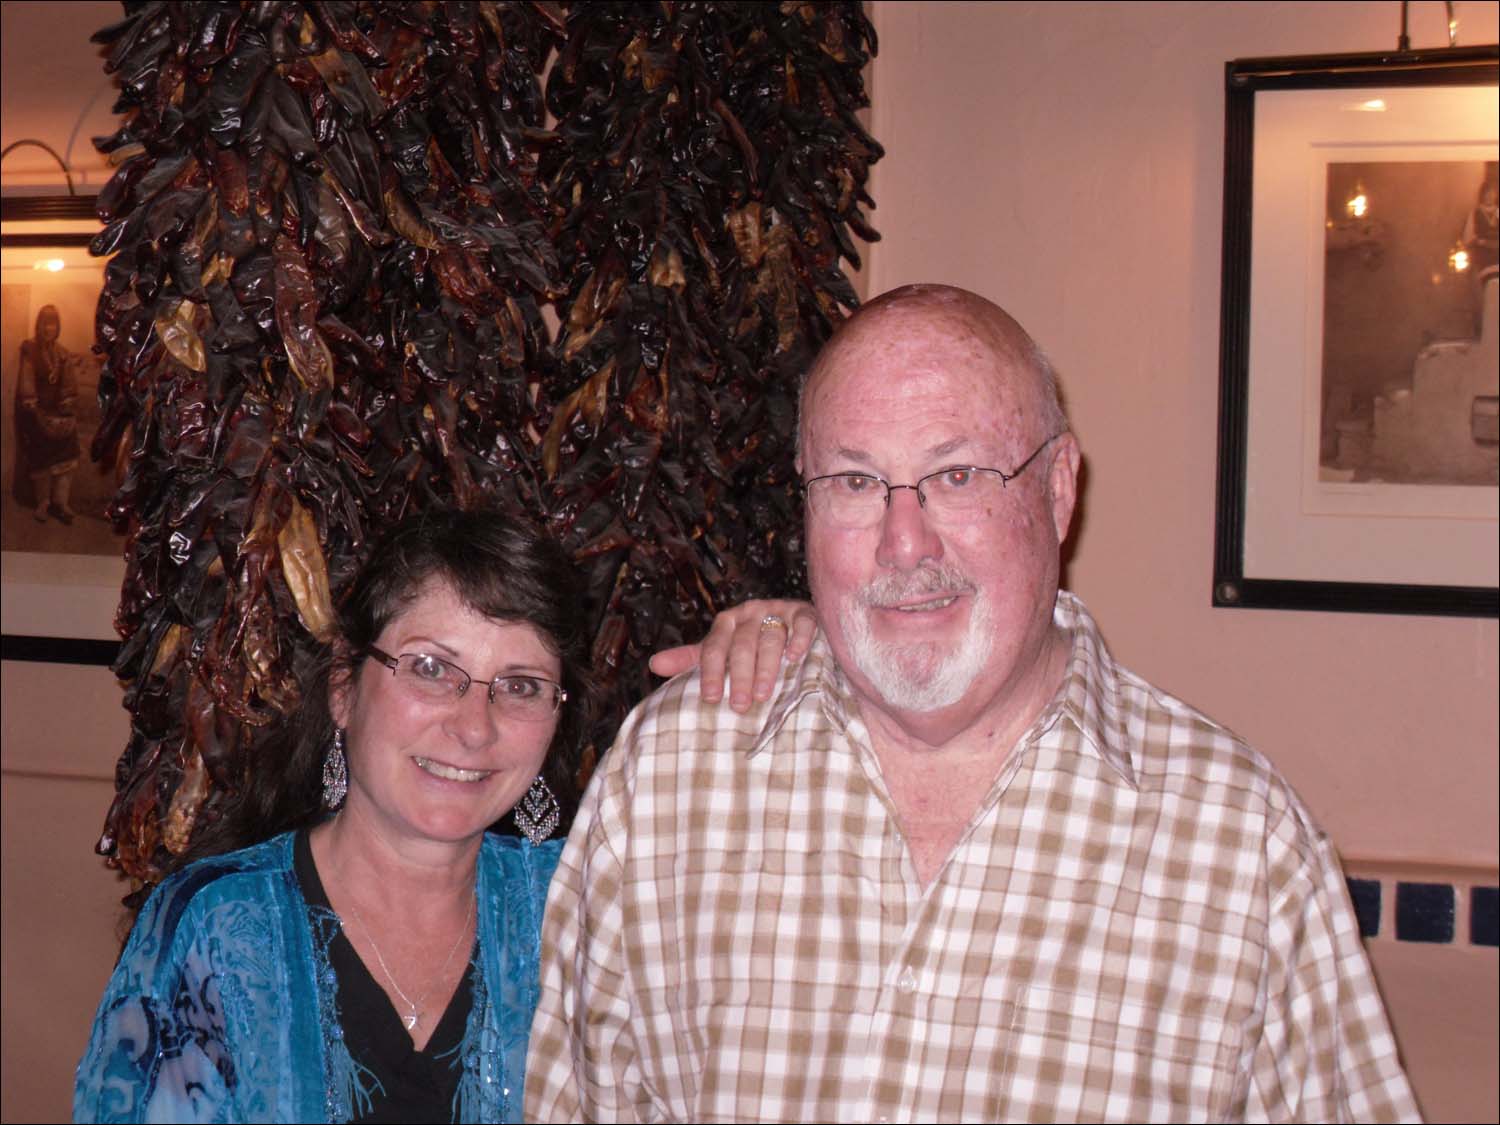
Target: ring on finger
<point x="772" y="621"/>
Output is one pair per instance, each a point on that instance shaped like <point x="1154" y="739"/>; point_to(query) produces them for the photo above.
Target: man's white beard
<point x="916" y="676"/>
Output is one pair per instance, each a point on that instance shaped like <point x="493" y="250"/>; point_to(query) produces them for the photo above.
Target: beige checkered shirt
<point x="1142" y="923"/>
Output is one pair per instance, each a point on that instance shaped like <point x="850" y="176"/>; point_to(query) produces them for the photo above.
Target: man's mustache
<point x="941" y="580"/>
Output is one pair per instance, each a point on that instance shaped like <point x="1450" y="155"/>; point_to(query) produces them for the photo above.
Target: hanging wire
<point x="49" y="150"/>
<point x="1403" y="42"/>
<point x="105" y="87"/>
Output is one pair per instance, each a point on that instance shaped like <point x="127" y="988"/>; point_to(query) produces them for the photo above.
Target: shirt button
<point x="907" y="981"/>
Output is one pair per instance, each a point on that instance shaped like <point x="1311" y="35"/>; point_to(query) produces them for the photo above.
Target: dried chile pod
<point x="296" y="311"/>
<point x="231" y="85"/>
<point x="306" y="573"/>
<point x="176" y="330"/>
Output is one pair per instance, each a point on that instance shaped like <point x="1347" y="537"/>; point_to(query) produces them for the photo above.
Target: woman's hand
<point x="749" y="642"/>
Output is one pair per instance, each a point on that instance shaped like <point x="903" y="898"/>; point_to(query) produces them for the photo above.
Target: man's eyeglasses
<point x="435" y="680"/>
<point x="958" y="494"/>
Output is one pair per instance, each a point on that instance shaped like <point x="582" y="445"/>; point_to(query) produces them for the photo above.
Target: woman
<point x="379" y="963"/>
<point x="47" y="446"/>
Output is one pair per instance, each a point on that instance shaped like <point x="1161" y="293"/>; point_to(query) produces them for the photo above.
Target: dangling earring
<point x="538" y="813"/>
<point x="335" y="773"/>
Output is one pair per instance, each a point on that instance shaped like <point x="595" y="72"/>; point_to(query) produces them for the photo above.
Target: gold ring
<point x="772" y="621"/>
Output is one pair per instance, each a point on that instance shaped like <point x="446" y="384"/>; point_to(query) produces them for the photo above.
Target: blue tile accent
<point x="1483" y="921"/>
<point x="1365" y="894"/>
<point x="1424" y="912"/>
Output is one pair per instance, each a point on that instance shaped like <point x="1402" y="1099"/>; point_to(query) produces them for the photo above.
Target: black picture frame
<point x="36" y="213"/>
<point x="1235" y="585"/>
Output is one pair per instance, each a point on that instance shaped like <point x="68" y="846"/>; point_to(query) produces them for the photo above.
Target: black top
<point x="415" y="1086"/>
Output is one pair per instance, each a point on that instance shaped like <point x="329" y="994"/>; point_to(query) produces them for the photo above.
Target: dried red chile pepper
<point x="332" y="236"/>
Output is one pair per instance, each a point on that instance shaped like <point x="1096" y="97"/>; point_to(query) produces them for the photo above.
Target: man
<point x="960" y="866"/>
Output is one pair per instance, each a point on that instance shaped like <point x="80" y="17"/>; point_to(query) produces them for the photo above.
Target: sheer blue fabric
<point x="223" y="1006"/>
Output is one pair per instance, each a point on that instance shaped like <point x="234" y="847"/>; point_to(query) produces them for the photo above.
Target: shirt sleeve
<point x="158" y="1050"/>
<point x="583" y="1064"/>
<point x="1326" y="1052"/>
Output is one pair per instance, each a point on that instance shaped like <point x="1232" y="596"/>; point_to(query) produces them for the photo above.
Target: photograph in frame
<point x="1358" y="363"/>
<point x="62" y="559"/>
<point x="1409" y="285"/>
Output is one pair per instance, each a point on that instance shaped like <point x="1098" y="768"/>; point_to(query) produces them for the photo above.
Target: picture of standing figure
<point x="53" y="497"/>
<point x="1481" y="235"/>
<point x="46" y="422"/>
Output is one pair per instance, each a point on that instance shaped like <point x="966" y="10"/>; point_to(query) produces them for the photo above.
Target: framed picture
<point x="62" y="564"/>
<point x="1359" y="457"/>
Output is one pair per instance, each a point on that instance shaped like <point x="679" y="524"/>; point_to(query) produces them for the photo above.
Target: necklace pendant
<point x="410" y="1020"/>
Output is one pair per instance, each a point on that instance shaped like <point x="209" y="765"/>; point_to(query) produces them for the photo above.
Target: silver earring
<point x="538" y="812"/>
<point x="335" y="773"/>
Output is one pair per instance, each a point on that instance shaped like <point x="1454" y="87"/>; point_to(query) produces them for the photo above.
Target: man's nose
<point x="907" y="535"/>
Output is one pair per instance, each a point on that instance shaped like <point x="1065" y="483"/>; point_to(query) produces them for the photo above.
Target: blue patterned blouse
<point x="223" y="1005"/>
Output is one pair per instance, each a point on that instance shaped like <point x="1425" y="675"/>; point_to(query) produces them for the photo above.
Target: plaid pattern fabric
<point x="1141" y="923"/>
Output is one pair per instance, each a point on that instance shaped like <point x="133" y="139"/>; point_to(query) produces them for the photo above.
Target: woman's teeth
<point x="451" y="773"/>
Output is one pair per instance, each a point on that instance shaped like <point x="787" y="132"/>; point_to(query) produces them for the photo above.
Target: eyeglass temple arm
<point x="1035" y="453"/>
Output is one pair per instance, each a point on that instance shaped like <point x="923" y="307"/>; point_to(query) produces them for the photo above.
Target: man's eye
<point x="856" y="485"/>
<point x="957" y="478"/>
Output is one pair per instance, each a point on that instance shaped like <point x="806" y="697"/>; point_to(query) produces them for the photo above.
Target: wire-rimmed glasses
<point x="434" y="679"/>
<point x="957" y="494"/>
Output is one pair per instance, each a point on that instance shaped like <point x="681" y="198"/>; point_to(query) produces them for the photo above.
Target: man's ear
<point x="1062" y="483"/>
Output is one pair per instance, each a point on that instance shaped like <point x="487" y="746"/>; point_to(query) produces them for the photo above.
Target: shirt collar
<point x="1087" y="699"/>
<point x="817" y="675"/>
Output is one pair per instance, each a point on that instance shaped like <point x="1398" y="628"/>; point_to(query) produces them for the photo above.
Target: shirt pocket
<point x="1090" y="1058"/>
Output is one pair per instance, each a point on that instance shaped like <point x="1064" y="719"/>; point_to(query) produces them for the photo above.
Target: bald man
<point x="960" y="865"/>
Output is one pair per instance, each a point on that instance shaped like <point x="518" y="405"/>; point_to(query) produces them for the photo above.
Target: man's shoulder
<point x="675" y="724"/>
<point x="1170" y="744"/>
<point x="1183" y="756"/>
<point x="1172" y="734"/>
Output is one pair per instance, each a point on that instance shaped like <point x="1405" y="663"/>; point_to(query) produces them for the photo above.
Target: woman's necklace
<point x="414" y="1007"/>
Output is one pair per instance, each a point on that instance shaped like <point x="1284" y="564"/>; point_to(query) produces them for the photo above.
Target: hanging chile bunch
<point x="321" y="311"/>
<point x="332" y="232"/>
<point x="709" y="170"/>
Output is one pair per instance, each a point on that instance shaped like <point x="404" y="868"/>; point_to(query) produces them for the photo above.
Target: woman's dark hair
<point x="499" y="566"/>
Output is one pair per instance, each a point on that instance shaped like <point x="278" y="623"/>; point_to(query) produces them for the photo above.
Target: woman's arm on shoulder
<point x="751" y="642"/>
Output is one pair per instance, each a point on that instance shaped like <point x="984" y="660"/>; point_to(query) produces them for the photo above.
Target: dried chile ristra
<point x="706" y="198"/>
<point x="332" y="237"/>
<point x="255" y="327"/>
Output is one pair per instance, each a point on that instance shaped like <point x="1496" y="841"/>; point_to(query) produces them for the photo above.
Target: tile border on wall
<point x="1436" y="904"/>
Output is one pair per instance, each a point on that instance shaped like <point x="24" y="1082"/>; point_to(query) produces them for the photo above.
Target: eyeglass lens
<point x="860" y="500"/>
<point x="433" y="678"/>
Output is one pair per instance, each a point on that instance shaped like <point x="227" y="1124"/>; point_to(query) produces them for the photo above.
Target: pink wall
<point x="1066" y="161"/>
